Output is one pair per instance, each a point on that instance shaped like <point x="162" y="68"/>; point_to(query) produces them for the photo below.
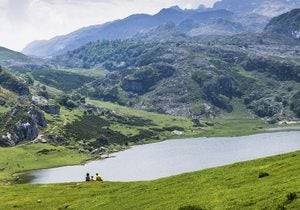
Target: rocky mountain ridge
<point x="224" y="18"/>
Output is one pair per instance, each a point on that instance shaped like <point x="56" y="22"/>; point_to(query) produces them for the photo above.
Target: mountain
<point x="9" y="57"/>
<point x="269" y="8"/>
<point x="202" y="21"/>
<point x="119" y="29"/>
<point x="192" y="77"/>
<point x="286" y="25"/>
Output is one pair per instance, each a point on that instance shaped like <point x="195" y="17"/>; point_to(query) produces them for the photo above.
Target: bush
<point x="190" y="207"/>
<point x="262" y="174"/>
<point x="291" y="197"/>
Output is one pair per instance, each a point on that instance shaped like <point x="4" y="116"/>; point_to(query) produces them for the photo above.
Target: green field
<point x="231" y="187"/>
<point x="35" y="156"/>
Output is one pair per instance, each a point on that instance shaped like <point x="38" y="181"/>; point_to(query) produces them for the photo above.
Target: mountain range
<point x="224" y="18"/>
<point x="202" y="64"/>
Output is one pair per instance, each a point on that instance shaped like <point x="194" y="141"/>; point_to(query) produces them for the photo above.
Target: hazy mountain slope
<point x="204" y="19"/>
<point x="9" y="57"/>
<point x="268" y="8"/>
<point x="120" y="29"/>
<point x="286" y="25"/>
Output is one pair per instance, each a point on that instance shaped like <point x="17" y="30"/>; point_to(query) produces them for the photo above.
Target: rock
<point x="7" y="140"/>
<point x="22" y="124"/>
<point x="26" y="131"/>
<point x="56" y="139"/>
<point x="46" y="105"/>
<point x="178" y="133"/>
<point x="2" y="101"/>
<point x="38" y="116"/>
<point x="53" y="109"/>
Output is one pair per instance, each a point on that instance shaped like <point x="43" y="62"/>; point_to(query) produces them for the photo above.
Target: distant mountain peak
<point x="175" y="8"/>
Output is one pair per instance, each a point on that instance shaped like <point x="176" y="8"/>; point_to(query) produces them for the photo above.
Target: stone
<point x="2" y="101"/>
<point x="38" y="116"/>
<point x="52" y="109"/>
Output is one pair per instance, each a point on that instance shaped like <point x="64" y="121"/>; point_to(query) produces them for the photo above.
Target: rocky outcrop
<point x="53" y="109"/>
<point x="46" y="105"/>
<point x="22" y="124"/>
<point x="12" y="83"/>
<point x="144" y="78"/>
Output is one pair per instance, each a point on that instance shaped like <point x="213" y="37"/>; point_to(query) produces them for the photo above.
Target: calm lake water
<point x="152" y="161"/>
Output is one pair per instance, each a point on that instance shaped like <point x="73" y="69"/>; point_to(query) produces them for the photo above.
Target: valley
<point x="184" y="108"/>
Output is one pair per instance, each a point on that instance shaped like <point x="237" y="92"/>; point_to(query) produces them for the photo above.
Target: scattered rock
<point x="22" y="124"/>
<point x="53" y="109"/>
<point x="178" y="133"/>
<point x="56" y="139"/>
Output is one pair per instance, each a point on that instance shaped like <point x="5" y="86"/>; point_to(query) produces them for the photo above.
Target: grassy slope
<point x="231" y="187"/>
<point x="230" y="124"/>
<point x="30" y="157"/>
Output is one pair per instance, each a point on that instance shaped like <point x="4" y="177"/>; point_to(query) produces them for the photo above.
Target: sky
<point x="23" y="21"/>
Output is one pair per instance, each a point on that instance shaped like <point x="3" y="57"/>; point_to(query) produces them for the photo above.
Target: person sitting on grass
<point x="92" y="178"/>
<point x="87" y="178"/>
<point x="98" y="178"/>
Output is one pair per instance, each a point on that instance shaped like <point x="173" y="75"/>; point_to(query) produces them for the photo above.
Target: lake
<point x="172" y="157"/>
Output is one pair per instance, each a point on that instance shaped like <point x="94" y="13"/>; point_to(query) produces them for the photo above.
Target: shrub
<point x="291" y="197"/>
<point x="190" y="207"/>
<point x="262" y="174"/>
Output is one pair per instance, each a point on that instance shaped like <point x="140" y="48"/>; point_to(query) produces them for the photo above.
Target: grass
<point x="94" y="72"/>
<point x="231" y="187"/>
<point x="35" y="156"/>
<point x="56" y="123"/>
<point x="237" y="123"/>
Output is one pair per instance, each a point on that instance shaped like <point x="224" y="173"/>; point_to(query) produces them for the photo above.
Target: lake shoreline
<point x="189" y="139"/>
<point x="23" y="178"/>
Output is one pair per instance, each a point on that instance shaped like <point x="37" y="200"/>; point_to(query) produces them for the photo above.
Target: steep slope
<point x="12" y="83"/>
<point x="286" y="25"/>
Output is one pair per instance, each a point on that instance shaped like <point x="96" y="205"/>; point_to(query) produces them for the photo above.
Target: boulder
<point x="26" y="131"/>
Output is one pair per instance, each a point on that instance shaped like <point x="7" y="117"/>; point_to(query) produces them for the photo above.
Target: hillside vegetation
<point x="190" y="78"/>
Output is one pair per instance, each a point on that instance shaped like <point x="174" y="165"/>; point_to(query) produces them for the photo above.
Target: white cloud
<point x="22" y="21"/>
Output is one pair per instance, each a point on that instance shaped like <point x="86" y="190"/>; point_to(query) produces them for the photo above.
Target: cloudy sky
<point x="22" y="21"/>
